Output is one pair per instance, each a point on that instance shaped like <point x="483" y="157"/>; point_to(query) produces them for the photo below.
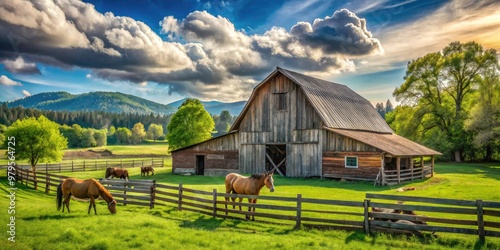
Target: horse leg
<point x="249" y="209"/>
<point x="90" y="203"/>
<point x="253" y="216"/>
<point x="66" y="201"/>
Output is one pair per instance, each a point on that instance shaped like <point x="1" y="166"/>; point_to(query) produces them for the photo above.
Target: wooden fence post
<point x="124" y="193"/>
<point x="46" y="168"/>
<point x="95" y="165"/>
<point x="366" y="227"/>
<point x="47" y="183"/>
<point x="72" y="166"/>
<point x="163" y="162"/>
<point x="298" y="218"/>
<point x="153" y="191"/>
<point x="480" y="220"/>
<point x="179" y="206"/>
<point x="83" y="165"/>
<point x="35" y="182"/>
<point x="214" y="212"/>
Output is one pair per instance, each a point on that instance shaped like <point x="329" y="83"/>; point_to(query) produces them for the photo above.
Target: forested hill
<point x="215" y="107"/>
<point x="111" y="102"/>
<point x="114" y="102"/>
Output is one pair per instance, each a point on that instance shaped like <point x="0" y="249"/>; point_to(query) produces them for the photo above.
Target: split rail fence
<point x="476" y="217"/>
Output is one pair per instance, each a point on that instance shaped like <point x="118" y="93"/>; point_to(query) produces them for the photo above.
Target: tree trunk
<point x="457" y="156"/>
<point x="488" y="153"/>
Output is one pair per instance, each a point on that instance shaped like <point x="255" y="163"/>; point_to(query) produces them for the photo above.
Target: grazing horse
<point x="117" y="172"/>
<point x="146" y="170"/>
<point x="238" y="184"/>
<point x="83" y="189"/>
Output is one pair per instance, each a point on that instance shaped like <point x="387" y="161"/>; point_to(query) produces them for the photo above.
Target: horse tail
<point x="59" y="196"/>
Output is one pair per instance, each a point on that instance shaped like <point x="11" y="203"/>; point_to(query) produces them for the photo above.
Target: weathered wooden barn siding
<point x="252" y="158"/>
<point x="338" y="146"/>
<point x="221" y="156"/>
<point x="298" y="126"/>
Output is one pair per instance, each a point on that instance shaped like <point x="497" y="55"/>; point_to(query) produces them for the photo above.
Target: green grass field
<point x="40" y="226"/>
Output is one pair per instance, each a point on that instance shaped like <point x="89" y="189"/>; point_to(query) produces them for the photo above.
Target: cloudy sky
<point x="219" y="50"/>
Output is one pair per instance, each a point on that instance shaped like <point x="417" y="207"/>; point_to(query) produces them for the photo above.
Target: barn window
<point x="351" y="162"/>
<point x="280" y="101"/>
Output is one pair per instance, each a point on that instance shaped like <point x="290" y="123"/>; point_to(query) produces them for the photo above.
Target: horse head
<point x="112" y="207"/>
<point x="269" y="181"/>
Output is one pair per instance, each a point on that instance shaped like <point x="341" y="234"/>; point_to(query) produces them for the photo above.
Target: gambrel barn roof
<point x="336" y="104"/>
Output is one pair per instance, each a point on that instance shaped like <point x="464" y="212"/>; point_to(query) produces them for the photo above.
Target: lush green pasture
<point x="40" y="226"/>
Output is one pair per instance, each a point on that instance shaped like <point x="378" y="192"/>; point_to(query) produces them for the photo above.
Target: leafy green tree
<point x="88" y="139"/>
<point x="437" y="86"/>
<point x="189" y="125"/>
<point x="100" y="137"/>
<point x="138" y="133"/>
<point x="154" y="131"/>
<point x="37" y="140"/>
<point x="484" y="119"/>
<point x="123" y="135"/>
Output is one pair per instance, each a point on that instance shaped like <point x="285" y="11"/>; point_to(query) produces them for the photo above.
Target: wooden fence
<point x="477" y="217"/>
<point x="89" y="165"/>
<point x="391" y="177"/>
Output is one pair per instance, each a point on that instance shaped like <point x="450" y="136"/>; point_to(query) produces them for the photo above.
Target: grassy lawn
<point x="40" y="226"/>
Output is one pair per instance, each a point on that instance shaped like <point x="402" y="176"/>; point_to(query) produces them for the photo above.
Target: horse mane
<point x="103" y="190"/>
<point x="258" y="176"/>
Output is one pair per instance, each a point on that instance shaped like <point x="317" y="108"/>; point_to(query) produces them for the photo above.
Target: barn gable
<point x="335" y="104"/>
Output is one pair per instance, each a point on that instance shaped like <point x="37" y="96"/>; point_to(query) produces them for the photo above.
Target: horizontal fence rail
<point x="376" y="213"/>
<point x="98" y="164"/>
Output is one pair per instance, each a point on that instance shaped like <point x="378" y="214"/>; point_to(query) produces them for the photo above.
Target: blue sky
<point x="219" y="50"/>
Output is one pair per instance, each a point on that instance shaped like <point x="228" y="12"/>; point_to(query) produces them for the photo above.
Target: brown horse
<point x="238" y="184"/>
<point x="146" y="170"/>
<point x="83" y="189"/>
<point x="117" y="172"/>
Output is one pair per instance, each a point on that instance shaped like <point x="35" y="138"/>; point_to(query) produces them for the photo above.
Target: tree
<point x="88" y="139"/>
<point x="436" y="86"/>
<point x="123" y="135"/>
<point x="380" y="109"/>
<point x="388" y="106"/>
<point x="37" y="140"/>
<point x="138" y="133"/>
<point x="189" y="125"/>
<point x="155" y="131"/>
<point x="484" y="118"/>
<point x="100" y="137"/>
<point x="223" y="122"/>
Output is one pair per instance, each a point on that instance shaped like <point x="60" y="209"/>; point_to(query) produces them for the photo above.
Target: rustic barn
<point x="301" y="126"/>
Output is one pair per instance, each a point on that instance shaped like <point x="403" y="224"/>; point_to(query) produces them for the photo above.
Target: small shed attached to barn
<point x="301" y="126"/>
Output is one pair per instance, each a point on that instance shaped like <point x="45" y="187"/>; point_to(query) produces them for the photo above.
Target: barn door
<point x="200" y="165"/>
<point x="276" y="158"/>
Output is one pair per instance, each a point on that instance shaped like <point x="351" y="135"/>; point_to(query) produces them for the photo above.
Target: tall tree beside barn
<point x="36" y="140"/>
<point x="484" y="118"/>
<point x="438" y="90"/>
<point x="189" y="125"/>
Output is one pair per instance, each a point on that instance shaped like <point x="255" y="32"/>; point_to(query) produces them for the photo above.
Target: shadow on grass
<point x="202" y="222"/>
<point x="51" y="217"/>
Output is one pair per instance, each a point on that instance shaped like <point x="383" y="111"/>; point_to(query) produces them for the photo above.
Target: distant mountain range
<point x="113" y="102"/>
